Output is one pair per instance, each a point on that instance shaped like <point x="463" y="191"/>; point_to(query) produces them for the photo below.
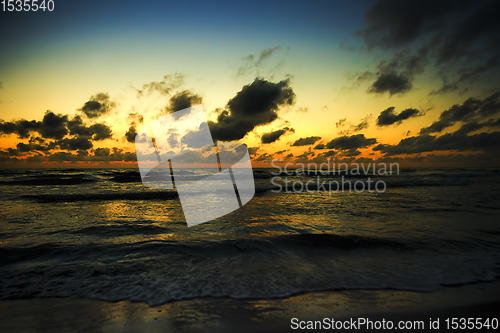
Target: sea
<point x="101" y="234"/>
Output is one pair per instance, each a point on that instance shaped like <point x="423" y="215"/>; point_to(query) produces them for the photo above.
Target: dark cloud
<point x="77" y="127"/>
<point x="323" y="157"/>
<point x="397" y="75"/>
<point x="183" y="100"/>
<point x="75" y="143"/>
<point x="97" y="105"/>
<point x="112" y="155"/>
<point x="101" y="132"/>
<point x="475" y="126"/>
<point x="30" y="147"/>
<point x="63" y="157"/>
<point x="256" y="104"/>
<point x="306" y="141"/>
<point x="101" y="152"/>
<point x="164" y="87"/>
<point x="458" y="141"/>
<point x="351" y="142"/>
<point x="320" y="146"/>
<point x="459" y="38"/>
<point x="472" y="109"/>
<point x="275" y="135"/>
<point x="388" y="117"/>
<point x="253" y="150"/>
<point x="305" y="156"/>
<point x="130" y="134"/>
<point x="53" y="125"/>
<point x="97" y="132"/>
<point x="263" y="158"/>
<point x="351" y="152"/>
<point x="134" y="119"/>
<point x="464" y="76"/>
<point x="22" y="128"/>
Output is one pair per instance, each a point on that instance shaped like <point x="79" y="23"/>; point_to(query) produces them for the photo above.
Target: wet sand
<point x="481" y="300"/>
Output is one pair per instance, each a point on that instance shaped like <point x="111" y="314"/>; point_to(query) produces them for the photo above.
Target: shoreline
<point x="479" y="300"/>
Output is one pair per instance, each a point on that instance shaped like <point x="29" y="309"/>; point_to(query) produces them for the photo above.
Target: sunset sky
<point x="411" y="82"/>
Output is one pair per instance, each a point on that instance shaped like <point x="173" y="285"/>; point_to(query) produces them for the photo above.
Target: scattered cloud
<point x="182" y="100"/>
<point x="275" y="135"/>
<point x="340" y="123"/>
<point x="457" y="141"/>
<point x="358" y="127"/>
<point x="458" y="38"/>
<point x="388" y="117"/>
<point x="473" y="109"/>
<point x="255" y="64"/>
<point x="351" y="142"/>
<point x="164" y="87"/>
<point x="306" y="141"/>
<point x="396" y="76"/>
<point x="97" y="105"/>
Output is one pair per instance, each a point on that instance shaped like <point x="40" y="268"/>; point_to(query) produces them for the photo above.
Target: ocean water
<point x="101" y="234"/>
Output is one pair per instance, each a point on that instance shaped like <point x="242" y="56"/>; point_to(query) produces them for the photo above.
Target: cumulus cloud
<point x="275" y="135"/>
<point x="53" y="132"/>
<point x="97" y="105"/>
<point x="306" y="141"/>
<point x="182" y="100"/>
<point x="53" y="125"/>
<point x="388" y="117"/>
<point x="130" y="134"/>
<point x="256" y="104"/>
<point x="97" y="132"/>
<point x="75" y="143"/>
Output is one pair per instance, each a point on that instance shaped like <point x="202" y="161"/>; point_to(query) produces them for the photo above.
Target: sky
<point x="415" y="83"/>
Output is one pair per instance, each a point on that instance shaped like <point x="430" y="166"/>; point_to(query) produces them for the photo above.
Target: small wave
<point x="119" y="230"/>
<point x="298" y="242"/>
<point x="153" y="195"/>
<point x="161" y="272"/>
<point x="49" y="181"/>
<point x="427" y="182"/>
